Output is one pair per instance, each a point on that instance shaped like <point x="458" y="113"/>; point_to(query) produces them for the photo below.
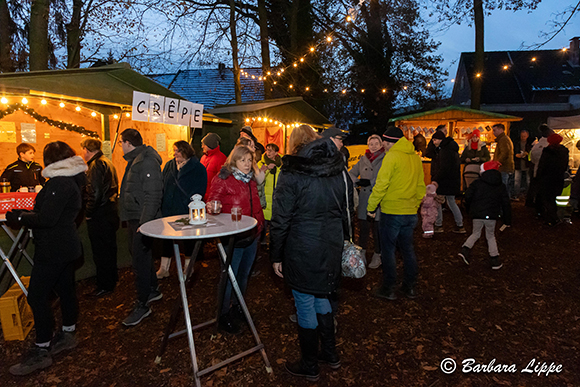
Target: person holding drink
<point x="236" y="188"/>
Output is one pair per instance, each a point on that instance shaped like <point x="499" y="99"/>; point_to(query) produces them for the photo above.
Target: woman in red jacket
<point x="212" y="158"/>
<point x="235" y="186"/>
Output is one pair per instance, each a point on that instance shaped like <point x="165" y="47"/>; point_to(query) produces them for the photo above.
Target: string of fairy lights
<point x="14" y="103"/>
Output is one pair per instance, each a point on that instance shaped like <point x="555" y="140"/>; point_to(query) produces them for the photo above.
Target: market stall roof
<point x="111" y="85"/>
<point x="293" y="109"/>
<point x="570" y="122"/>
<point x="457" y="114"/>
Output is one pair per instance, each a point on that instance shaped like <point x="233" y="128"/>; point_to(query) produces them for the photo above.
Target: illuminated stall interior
<point x="569" y="129"/>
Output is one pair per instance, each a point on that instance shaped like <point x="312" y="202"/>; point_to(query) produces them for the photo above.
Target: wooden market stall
<point x="460" y="122"/>
<point x="271" y="120"/>
<point x="39" y="107"/>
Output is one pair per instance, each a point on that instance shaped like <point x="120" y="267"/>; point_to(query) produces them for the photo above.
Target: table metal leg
<point x="178" y="305"/>
<point x="225" y="263"/>
<point x="227" y="259"/>
<point x="186" y="313"/>
<point x="6" y="261"/>
<point x="20" y="241"/>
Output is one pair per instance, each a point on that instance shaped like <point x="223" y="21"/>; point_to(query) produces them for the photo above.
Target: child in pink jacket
<point x="429" y="207"/>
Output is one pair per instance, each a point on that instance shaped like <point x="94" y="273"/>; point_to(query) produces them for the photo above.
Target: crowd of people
<point x="301" y="202"/>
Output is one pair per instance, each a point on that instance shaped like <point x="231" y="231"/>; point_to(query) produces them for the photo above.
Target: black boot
<point x="328" y="352"/>
<point x="464" y="254"/>
<point x="307" y="366"/>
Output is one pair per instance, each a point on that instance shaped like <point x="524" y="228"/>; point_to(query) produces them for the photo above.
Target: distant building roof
<point x="212" y="87"/>
<point x="528" y="74"/>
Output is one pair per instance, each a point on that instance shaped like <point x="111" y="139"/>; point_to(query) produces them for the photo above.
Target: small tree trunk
<point x="234" y="43"/>
<point x="265" y="47"/>
<point x="73" y="36"/>
<point x="6" y="25"/>
<point x="476" y="83"/>
<point x="38" y="36"/>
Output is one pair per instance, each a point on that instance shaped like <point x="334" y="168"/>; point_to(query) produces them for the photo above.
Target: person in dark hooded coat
<point x="307" y="235"/>
<point x="486" y="200"/>
<point x="446" y="171"/>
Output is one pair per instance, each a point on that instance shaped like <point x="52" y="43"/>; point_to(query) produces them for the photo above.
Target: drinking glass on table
<point x="236" y="214"/>
<point x="214" y="207"/>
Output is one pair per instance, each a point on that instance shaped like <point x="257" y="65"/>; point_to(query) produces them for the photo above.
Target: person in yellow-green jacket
<point x="272" y="161"/>
<point x="399" y="189"/>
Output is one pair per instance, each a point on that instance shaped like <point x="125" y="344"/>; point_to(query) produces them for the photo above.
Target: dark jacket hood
<point x="320" y="158"/>
<point x="492" y="177"/>
<point x="449" y="142"/>
<point x="145" y="151"/>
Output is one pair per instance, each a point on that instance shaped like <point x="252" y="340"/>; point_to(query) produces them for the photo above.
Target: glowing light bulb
<point x="78" y="108"/>
<point x="295" y="64"/>
<point x="24" y="101"/>
<point x="270" y="120"/>
<point x="93" y="114"/>
<point x="307" y="88"/>
<point x="282" y="70"/>
<point x="329" y="39"/>
<point x="115" y="116"/>
<point x="301" y="59"/>
<point x="533" y="59"/>
<point x="253" y="77"/>
<point x="275" y="122"/>
<point x="343" y="91"/>
<point x="61" y="104"/>
<point x="247" y="120"/>
<point x="275" y="82"/>
<point x="326" y="90"/>
<point x="384" y="90"/>
<point x="265" y="119"/>
<point x="348" y="19"/>
<point x="127" y="115"/>
<point x="43" y="102"/>
<point x="478" y="75"/>
<point x="505" y="67"/>
<point x="564" y="49"/>
<point x="362" y="90"/>
<point x="453" y="80"/>
<point x="291" y="86"/>
<point x="312" y="49"/>
<point x="278" y="73"/>
<point x="259" y="118"/>
<point x="4" y="100"/>
<point x="428" y="85"/>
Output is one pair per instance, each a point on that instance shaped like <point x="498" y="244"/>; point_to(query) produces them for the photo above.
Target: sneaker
<point x="428" y="234"/>
<point x="386" y="293"/>
<point x="495" y="262"/>
<point x="99" y="293"/>
<point x="139" y="312"/>
<point x="409" y="291"/>
<point x="63" y="341"/>
<point x="438" y="229"/>
<point x="376" y="261"/>
<point x="459" y="230"/>
<point x="155" y="295"/>
<point x="37" y="358"/>
<point x="464" y="254"/>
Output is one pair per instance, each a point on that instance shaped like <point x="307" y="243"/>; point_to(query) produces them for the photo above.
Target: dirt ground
<point x="523" y="316"/>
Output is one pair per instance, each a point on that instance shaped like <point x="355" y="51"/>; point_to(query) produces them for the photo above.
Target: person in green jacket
<point x="399" y="188"/>
<point x="272" y="161"/>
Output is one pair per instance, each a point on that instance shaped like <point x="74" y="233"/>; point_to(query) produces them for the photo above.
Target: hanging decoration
<point x="39" y="117"/>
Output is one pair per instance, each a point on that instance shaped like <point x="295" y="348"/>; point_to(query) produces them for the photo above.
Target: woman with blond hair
<point x="301" y="136"/>
<point x="364" y="174"/>
<point x="235" y="186"/>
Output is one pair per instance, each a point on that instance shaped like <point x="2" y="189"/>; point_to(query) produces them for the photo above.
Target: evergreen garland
<point x="58" y="124"/>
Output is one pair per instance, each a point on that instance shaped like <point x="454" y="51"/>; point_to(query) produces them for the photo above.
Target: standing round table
<point x="18" y="248"/>
<point x="218" y="226"/>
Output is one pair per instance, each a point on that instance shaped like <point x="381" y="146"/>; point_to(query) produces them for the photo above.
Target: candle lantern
<point x="197" y="214"/>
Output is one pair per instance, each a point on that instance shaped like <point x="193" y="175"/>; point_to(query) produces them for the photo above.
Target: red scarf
<point x="373" y="156"/>
<point x="474" y="145"/>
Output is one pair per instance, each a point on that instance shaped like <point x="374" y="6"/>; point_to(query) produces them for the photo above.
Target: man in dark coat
<point x="307" y="234"/>
<point x="522" y="163"/>
<point x="102" y="215"/>
<point x="446" y="171"/>
<point x="140" y="202"/>
<point x="24" y="172"/>
<point x="551" y="174"/>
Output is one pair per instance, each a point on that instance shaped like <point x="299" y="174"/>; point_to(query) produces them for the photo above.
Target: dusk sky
<point x="506" y="30"/>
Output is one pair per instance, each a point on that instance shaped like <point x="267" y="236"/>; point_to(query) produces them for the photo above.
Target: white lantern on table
<point x="197" y="214"/>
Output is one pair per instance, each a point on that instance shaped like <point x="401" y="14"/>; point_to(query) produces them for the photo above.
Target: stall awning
<point x="455" y="113"/>
<point x="571" y="122"/>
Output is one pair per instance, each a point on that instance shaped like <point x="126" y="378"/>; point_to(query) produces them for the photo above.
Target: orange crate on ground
<point x="19" y="200"/>
<point x="15" y="314"/>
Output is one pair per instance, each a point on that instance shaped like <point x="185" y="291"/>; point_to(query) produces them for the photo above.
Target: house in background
<point x="534" y="85"/>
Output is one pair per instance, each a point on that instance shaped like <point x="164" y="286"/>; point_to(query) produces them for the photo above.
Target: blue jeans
<point x="308" y="306"/>
<point x="397" y="230"/>
<point x="505" y="178"/>
<point x="454" y="210"/>
<point x="242" y="262"/>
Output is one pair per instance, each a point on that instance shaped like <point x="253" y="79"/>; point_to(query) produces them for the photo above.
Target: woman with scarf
<point x="474" y="154"/>
<point x="235" y="186"/>
<point x="183" y="177"/>
<point x="57" y="247"/>
<point x="364" y="174"/>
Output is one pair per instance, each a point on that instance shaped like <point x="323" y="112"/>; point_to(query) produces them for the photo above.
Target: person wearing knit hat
<point x="446" y="171"/>
<point x="246" y="131"/>
<point x="398" y="190"/>
<point x="474" y="154"/>
<point x="212" y="158"/>
<point x="486" y="201"/>
<point x="551" y="174"/>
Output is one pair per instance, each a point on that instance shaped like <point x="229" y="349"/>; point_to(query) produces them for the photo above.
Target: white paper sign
<point x="28" y="133"/>
<point x="185" y="108"/>
<point x="161" y="144"/>
<point x="196" y="116"/>
<point x="156" y="106"/>
<point x="140" y="110"/>
<point x="171" y="111"/>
